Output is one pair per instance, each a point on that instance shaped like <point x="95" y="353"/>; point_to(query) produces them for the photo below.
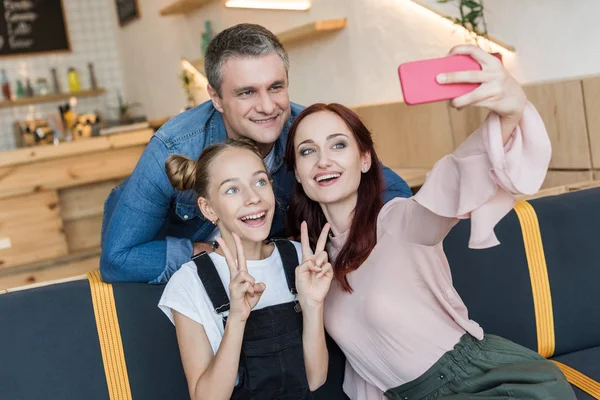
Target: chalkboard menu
<point x="32" y="26"/>
<point x="127" y="11"/>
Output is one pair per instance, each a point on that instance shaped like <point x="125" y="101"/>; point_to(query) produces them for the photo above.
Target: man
<point x="149" y="229"/>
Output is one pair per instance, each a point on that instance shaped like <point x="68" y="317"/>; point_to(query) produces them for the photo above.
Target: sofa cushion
<point x="50" y="346"/>
<point x="495" y="283"/>
<point x="586" y="362"/>
<point x="570" y="228"/>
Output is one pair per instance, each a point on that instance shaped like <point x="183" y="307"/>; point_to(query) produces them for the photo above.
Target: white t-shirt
<point x="186" y="294"/>
<point x="270" y="163"/>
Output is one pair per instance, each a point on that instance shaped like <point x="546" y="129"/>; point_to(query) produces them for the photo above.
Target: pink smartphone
<point x="419" y="85"/>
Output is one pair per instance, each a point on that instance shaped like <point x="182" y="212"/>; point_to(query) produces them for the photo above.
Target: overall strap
<point x="212" y="282"/>
<point x="289" y="259"/>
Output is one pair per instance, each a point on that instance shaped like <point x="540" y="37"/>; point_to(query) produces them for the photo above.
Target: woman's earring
<point x="364" y="170"/>
<point x="298" y="179"/>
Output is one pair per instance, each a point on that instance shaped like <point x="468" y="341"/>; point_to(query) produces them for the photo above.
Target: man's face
<point x="255" y="101"/>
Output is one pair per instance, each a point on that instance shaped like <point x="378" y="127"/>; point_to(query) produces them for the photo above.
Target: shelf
<point x="312" y="30"/>
<point x="182" y="6"/>
<point x="50" y="97"/>
<point x="308" y="31"/>
<point x="446" y="20"/>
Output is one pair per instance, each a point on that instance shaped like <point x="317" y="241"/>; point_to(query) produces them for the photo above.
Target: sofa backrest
<point x="86" y="339"/>
<point x="549" y="246"/>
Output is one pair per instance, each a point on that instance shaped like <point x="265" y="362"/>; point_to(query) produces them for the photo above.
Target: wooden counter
<point x="51" y="204"/>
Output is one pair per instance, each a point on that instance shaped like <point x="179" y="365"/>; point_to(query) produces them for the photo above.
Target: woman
<point x="392" y="307"/>
<point x="239" y="327"/>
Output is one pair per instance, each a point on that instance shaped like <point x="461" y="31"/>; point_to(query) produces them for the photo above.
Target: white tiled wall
<point x="92" y="26"/>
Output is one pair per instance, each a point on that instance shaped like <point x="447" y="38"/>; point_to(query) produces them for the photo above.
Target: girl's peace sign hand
<point x="314" y="275"/>
<point x="244" y="292"/>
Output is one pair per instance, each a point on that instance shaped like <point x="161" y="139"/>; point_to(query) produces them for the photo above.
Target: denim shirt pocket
<point x="186" y="211"/>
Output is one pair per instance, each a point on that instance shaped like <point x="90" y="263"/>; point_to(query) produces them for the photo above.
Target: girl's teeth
<point x="253" y="217"/>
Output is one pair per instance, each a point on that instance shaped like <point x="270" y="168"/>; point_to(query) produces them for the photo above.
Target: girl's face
<point x="240" y="195"/>
<point x="328" y="160"/>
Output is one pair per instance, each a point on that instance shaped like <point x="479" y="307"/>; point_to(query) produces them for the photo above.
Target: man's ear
<point x="207" y="210"/>
<point x="214" y="96"/>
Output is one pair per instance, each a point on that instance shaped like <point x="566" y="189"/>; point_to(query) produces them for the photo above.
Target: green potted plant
<point x="472" y="18"/>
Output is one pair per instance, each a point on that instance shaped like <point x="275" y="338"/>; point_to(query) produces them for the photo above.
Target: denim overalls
<point x="272" y="359"/>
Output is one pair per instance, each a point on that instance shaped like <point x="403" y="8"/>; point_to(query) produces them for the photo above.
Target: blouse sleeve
<point x="477" y="181"/>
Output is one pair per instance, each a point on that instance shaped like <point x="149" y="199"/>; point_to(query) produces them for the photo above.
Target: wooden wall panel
<point x="409" y="136"/>
<point x="465" y="121"/>
<point x="591" y="95"/>
<point x="68" y="172"/>
<point x="561" y="107"/>
<point x="560" y="178"/>
<point x="86" y="200"/>
<point x="83" y="234"/>
<point x="61" y="271"/>
<point x="33" y="227"/>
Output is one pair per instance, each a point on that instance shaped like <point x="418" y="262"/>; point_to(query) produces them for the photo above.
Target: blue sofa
<point x="86" y="339"/>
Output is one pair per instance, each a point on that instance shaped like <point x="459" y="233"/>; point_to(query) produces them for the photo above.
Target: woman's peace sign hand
<point x="314" y="275"/>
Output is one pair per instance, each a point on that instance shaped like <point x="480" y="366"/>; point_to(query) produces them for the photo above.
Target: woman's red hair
<point x="363" y="229"/>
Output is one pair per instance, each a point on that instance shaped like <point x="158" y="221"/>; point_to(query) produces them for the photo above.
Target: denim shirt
<point x="148" y="228"/>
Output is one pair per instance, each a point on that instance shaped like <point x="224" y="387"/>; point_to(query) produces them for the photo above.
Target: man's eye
<point x="245" y="94"/>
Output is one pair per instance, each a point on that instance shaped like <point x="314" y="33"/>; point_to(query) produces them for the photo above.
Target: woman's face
<point x="240" y="195"/>
<point x="328" y="159"/>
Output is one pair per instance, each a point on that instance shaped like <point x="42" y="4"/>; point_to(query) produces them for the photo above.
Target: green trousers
<point x="493" y="368"/>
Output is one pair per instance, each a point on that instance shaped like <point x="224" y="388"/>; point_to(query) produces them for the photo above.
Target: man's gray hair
<point x="242" y="40"/>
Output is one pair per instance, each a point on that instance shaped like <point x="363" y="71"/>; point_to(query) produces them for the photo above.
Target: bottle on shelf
<point x="20" y="89"/>
<point x="5" y="86"/>
<point x="93" y="81"/>
<point x="73" y="79"/>
<point x="29" y="88"/>
<point x="55" y="82"/>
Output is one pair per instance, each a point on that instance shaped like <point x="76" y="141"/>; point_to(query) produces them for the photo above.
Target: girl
<point x="392" y="307"/>
<point x="243" y="312"/>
